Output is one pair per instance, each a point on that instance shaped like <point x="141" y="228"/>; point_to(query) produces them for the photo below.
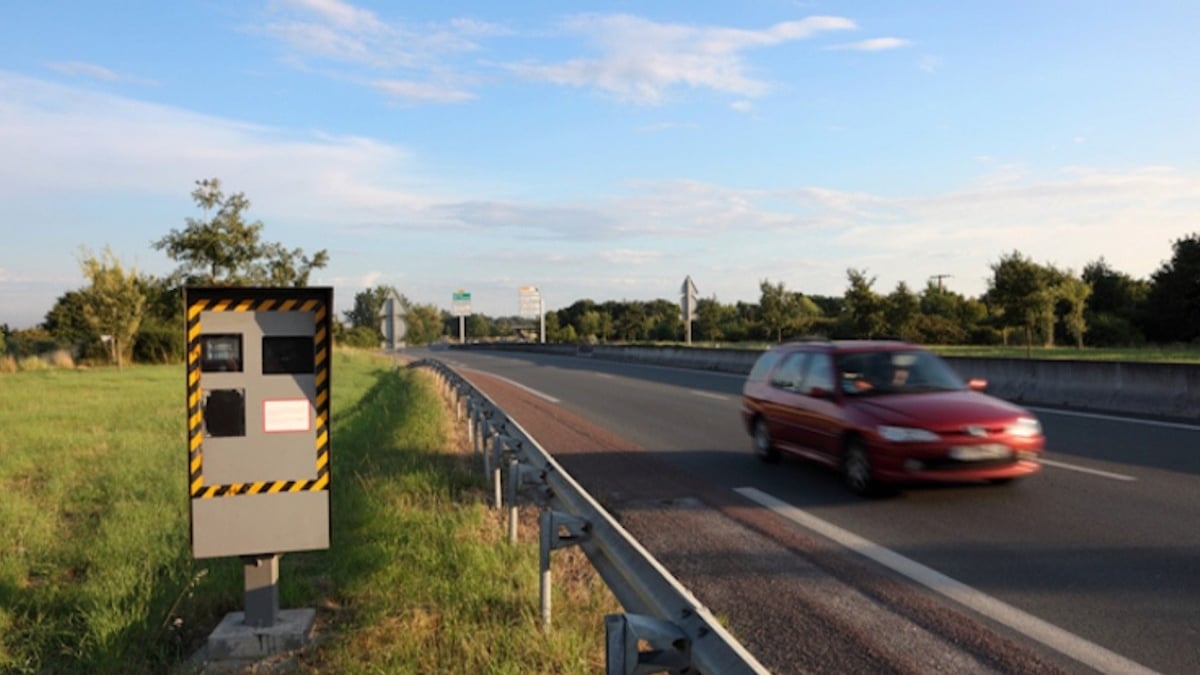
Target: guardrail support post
<point x="670" y="649"/>
<point x="471" y="424"/>
<point x="497" y="458"/>
<point x="514" y="483"/>
<point x="519" y="476"/>
<point x="487" y="456"/>
<point x="550" y="524"/>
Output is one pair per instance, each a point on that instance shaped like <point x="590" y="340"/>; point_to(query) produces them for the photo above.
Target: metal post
<point x="497" y="456"/>
<point x="577" y="531"/>
<point x="471" y="425"/>
<point x="261" y="574"/>
<point x="546" y="535"/>
<point x="487" y="458"/>
<point x="514" y="479"/>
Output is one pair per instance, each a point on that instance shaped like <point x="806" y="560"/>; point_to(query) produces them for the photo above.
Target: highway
<point x="1098" y="556"/>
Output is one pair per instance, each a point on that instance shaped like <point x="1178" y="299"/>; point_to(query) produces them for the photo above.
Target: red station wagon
<point x="885" y="412"/>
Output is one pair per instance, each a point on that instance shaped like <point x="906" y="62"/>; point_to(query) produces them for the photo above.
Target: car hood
<point x="938" y="409"/>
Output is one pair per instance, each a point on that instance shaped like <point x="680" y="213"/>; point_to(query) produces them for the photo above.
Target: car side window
<point x="762" y="366"/>
<point x="819" y="375"/>
<point x="854" y="370"/>
<point x="790" y="371"/>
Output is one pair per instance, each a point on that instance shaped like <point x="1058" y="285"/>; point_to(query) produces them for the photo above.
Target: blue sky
<point x="602" y="150"/>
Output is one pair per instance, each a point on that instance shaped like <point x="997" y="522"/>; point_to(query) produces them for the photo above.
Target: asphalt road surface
<point x="1096" y="558"/>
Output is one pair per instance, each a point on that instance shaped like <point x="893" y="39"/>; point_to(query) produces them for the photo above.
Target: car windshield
<point x="895" y="372"/>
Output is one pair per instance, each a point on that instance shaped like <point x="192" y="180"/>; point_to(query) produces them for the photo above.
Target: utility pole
<point x="939" y="278"/>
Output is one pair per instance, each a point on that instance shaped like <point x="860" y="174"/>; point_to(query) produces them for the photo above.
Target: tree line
<point x="121" y="315"/>
<point x="1027" y="303"/>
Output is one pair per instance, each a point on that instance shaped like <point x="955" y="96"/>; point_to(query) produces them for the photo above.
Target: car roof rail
<point x="809" y="338"/>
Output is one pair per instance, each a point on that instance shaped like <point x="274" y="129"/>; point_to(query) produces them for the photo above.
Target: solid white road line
<point x="708" y="394"/>
<point x="1116" y="418"/>
<point x="518" y="385"/>
<point x="1067" y="643"/>
<point x="1084" y="469"/>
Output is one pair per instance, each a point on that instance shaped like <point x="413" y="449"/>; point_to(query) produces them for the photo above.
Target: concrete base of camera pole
<point x="262" y="630"/>
<point x="233" y="640"/>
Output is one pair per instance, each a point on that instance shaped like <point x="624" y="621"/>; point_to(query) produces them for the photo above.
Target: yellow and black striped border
<point x="256" y="300"/>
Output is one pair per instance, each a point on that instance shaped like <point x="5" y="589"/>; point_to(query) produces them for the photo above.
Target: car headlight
<point x="1025" y="427"/>
<point x="905" y="434"/>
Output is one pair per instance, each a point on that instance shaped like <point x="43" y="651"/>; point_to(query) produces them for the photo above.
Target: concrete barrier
<point x="1157" y="389"/>
<point x="1154" y="389"/>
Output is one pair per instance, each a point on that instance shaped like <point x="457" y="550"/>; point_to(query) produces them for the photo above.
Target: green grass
<point x="1149" y="354"/>
<point x="1178" y="354"/>
<point x="96" y="573"/>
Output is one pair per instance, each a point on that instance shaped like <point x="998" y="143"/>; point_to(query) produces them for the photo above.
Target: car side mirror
<point x="977" y="384"/>
<point x="820" y="392"/>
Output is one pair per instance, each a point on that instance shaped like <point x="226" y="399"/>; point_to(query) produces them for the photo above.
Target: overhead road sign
<point x="461" y="304"/>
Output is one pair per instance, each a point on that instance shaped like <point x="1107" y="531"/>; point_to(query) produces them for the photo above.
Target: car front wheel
<point x="856" y="468"/>
<point x="764" y="447"/>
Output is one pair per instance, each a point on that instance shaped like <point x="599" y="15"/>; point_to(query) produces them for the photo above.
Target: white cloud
<point x="872" y="45"/>
<point x="340" y="14"/>
<point x="666" y="126"/>
<point x="423" y="91"/>
<point x="358" y="46"/>
<point x="93" y="71"/>
<point x="641" y="60"/>
<point x="58" y="138"/>
<point x="628" y="256"/>
<point x="81" y="69"/>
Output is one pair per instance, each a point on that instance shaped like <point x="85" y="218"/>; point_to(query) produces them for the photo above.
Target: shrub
<point x="60" y="358"/>
<point x="158" y="343"/>
<point x="1109" y="330"/>
<point x="32" y="363"/>
<point x="985" y="335"/>
<point x="361" y="337"/>
<point x="30" y="341"/>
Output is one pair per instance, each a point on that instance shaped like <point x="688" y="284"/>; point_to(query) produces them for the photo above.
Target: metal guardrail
<point x="683" y="635"/>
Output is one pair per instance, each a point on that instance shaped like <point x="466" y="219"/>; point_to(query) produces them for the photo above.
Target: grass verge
<point x="96" y="573"/>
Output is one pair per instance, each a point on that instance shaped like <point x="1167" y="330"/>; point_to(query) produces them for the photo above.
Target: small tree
<point x="1173" y="300"/>
<point x="1115" y="306"/>
<point x="901" y="309"/>
<point x="477" y="326"/>
<point x="367" y="313"/>
<point x="225" y="249"/>
<point x="1074" y="293"/>
<point x="113" y="304"/>
<point x="1024" y="292"/>
<point x="863" y="308"/>
<point x="424" y="324"/>
<point x="777" y="308"/>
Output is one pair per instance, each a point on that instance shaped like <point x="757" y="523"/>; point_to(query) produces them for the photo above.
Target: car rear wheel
<point x="856" y="468"/>
<point x="764" y="447"/>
